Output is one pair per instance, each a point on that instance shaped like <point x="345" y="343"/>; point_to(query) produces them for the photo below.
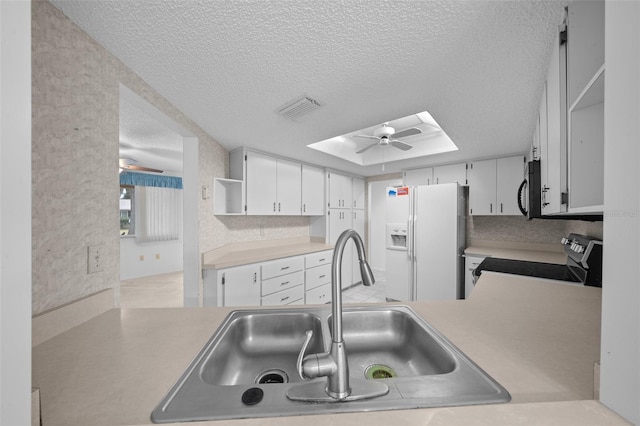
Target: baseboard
<point x="49" y="324"/>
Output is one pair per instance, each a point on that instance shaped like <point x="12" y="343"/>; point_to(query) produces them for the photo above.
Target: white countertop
<point x="537" y="338"/>
<point x="260" y="251"/>
<point x="532" y="252"/>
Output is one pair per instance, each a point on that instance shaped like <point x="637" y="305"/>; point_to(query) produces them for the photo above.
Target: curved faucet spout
<point x="333" y="364"/>
<point x="336" y="278"/>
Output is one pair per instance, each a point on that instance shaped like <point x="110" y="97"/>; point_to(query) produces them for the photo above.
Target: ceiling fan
<point x="130" y="164"/>
<point x="387" y="135"/>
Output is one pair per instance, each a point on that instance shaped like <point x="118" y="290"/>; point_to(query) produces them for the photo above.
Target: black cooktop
<point x="550" y="271"/>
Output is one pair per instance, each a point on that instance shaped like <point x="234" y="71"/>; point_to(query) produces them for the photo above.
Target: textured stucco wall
<point x="75" y="164"/>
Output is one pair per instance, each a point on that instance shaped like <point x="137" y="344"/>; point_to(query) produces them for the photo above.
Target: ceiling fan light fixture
<point x="126" y="161"/>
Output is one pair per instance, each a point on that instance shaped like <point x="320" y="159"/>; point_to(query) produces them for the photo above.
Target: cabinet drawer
<point x="275" y="268"/>
<point x="285" y="297"/>
<point x="317" y="276"/>
<point x="281" y="283"/>
<point x="318" y="295"/>
<point x="317" y="259"/>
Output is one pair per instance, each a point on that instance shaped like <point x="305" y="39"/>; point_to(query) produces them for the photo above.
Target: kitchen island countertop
<point x="537" y="338"/>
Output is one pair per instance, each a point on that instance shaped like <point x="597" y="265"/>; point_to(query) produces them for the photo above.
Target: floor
<point x="165" y="291"/>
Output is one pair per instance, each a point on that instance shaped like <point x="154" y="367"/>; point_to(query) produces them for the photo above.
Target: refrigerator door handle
<point x="410" y="228"/>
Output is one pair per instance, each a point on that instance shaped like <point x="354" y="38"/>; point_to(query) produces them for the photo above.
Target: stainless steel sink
<point x="394" y="339"/>
<point x="249" y="364"/>
<point x="258" y="348"/>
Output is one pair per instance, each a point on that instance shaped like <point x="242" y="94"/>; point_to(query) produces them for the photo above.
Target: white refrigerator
<point x="425" y="242"/>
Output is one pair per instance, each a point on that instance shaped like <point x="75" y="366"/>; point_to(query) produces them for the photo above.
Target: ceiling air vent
<point x="299" y="107"/>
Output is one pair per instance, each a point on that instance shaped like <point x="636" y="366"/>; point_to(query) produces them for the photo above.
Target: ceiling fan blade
<point x="366" y="136"/>
<point x="366" y="148"/>
<point x="408" y="132"/>
<point x="400" y="145"/>
<point x="140" y="168"/>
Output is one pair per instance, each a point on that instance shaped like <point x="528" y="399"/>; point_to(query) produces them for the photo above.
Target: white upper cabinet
<point x="289" y="187"/>
<point x="273" y="185"/>
<point x="418" y="177"/>
<point x="509" y="175"/>
<point x="340" y="188"/>
<point x="585" y="80"/>
<point x="482" y="187"/>
<point x="261" y="184"/>
<point x="553" y="129"/>
<point x="312" y="191"/>
<point x="358" y="193"/>
<point x="493" y="186"/>
<point x="450" y="173"/>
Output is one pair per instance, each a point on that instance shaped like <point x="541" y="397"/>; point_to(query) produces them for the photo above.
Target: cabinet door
<point x="289" y="188"/>
<point x="340" y="221"/>
<point x="357" y="192"/>
<point x="339" y="191"/>
<point x="510" y="173"/>
<point x="450" y="173"/>
<point x="261" y="185"/>
<point x="418" y="177"/>
<point x="312" y="191"/>
<point x="357" y="224"/>
<point x="553" y="160"/>
<point x="482" y="187"/>
<point x="241" y="285"/>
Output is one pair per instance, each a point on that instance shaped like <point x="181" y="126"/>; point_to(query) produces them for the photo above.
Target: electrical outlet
<point x="142" y="257"/>
<point x="157" y="256"/>
<point x="94" y="259"/>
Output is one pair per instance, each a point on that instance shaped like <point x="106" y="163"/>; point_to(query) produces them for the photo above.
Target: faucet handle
<point x="307" y="340"/>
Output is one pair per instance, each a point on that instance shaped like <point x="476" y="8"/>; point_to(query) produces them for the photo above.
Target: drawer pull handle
<point x="322" y="276"/>
<point x="321" y="260"/>
<point x="284" y="298"/>
<point x="284" y="267"/>
<point x="285" y="283"/>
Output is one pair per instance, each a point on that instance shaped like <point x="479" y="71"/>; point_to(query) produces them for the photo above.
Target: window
<point x="150" y="206"/>
<point x="127" y="210"/>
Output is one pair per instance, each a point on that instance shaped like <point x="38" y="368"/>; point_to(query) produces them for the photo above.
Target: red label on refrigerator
<point x="402" y="191"/>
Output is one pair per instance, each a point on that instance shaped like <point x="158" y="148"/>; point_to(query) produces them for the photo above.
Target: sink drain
<point x="272" y="376"/>
<point x="379" y="371"/>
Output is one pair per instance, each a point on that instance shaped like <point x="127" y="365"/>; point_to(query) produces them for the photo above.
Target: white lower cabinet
<point x="318" y="277"/>
<point x="283" y="281"/>
<point x="290" y="280"/>
<point x="290" y="296"/>
<point x="318" y="295"/>
<point x="235" y="286"/>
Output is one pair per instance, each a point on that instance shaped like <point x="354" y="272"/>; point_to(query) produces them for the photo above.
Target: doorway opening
<point x="162" y="271"/>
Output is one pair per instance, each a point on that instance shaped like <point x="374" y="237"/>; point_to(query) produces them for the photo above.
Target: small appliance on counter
<point x="583" y="267"/>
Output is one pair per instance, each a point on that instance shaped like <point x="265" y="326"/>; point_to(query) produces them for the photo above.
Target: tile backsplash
<point x="519" y="229"/>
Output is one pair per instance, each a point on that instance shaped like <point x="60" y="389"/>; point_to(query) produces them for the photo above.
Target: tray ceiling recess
<point x="413" y="136"/>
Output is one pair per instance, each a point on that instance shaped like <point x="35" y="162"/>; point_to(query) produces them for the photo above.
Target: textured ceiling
<point x="148" y="142"/>
<point x="477" y="66"/>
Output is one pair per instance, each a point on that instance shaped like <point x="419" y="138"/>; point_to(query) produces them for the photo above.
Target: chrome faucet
<point x="333" y="364"/>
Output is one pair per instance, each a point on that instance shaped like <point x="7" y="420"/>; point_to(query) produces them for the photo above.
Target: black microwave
<point x="530" y="197"/>
<point x="530" y="192"/>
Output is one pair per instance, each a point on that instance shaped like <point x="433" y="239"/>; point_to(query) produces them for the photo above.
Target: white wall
<point x="620" y="349"/>
<point x="15" y="213"/>
<point x="377" y="222"/>
<point x="169" y="253"/>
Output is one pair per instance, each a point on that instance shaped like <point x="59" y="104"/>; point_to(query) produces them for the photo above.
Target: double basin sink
<point x="249" y="364"/>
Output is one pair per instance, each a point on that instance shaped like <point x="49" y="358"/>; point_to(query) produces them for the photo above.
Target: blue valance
<point x="146" y="179"/>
